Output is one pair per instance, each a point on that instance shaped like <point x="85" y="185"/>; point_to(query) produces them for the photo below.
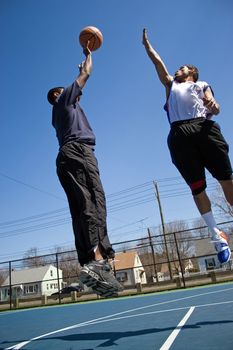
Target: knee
<point x="197" y="187"/>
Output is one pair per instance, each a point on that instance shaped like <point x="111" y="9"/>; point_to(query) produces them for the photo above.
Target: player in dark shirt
<point x="78" y="173"/>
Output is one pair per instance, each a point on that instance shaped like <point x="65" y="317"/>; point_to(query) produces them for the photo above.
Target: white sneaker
<point x="222" y="247"/>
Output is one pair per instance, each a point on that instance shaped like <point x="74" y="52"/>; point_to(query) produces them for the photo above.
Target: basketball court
<point x="197" y="318"/>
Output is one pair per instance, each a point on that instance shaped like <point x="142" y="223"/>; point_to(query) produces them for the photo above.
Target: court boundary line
<point x="172" y="337"/>
<point x="98" y="320"/>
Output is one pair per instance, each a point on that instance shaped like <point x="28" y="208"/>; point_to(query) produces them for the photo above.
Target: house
<point x="188" y="266"/>
<point x="129" y="269"/>
<point x="206" y="255"/>
<point x="31" y="282"/>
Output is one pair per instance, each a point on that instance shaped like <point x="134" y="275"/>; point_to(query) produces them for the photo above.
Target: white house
<point x="36" y="281"/>
<point x="129" y="269"/>
<point x="207" y="256"/>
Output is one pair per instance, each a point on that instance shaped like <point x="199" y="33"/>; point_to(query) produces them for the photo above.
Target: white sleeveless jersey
<point x="185" y="101"/>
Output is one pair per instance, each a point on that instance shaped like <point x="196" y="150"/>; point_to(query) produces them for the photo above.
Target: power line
<point x="30" y="186"/>
<point x="121" y="200"/>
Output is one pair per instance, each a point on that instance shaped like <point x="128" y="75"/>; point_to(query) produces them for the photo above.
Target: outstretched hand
<point x="86" y="49"/>
<point x="86" y="52"/>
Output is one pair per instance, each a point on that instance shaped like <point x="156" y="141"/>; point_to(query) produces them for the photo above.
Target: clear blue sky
<point x="123" y="100"/>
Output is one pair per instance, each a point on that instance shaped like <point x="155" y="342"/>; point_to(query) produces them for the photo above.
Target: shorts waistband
<point x="188" y="121"/>
<point x="77" y="142"/>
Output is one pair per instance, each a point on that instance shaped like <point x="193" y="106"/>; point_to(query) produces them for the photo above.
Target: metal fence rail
<point x="169" y="260"/>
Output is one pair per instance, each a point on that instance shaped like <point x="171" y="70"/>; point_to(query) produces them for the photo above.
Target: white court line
<point x="20" y="345"/>
<point x="170" y="340"/>
<point x="97" y="321"/>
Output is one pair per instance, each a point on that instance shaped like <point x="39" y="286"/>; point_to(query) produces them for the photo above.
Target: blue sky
<point x="123" y="100"/>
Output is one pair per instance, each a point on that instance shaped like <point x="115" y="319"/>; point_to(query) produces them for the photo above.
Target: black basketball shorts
<point x="198" y="144"/>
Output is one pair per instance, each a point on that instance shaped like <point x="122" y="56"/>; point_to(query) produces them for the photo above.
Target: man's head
<point x="54" y="93"/>
<point x="186" y="72"/>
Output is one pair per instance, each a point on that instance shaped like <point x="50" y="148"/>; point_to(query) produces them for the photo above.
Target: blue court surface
<point x="197" y="318"/>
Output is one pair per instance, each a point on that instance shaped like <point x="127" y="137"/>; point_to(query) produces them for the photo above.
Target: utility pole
<point x="163" y="226"/>
<point x="153" y="255"/>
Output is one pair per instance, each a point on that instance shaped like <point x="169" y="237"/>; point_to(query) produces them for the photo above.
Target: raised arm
<point x="161" y="69"/>
<point x="85" y="68"/>
<point x="210" y="102"/>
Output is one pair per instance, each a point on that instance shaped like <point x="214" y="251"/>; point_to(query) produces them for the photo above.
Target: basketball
<point x="93" y="35"/>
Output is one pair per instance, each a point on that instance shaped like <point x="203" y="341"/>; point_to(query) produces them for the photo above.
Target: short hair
<point x="194" y="70"/>
<point x="50" y="96"/>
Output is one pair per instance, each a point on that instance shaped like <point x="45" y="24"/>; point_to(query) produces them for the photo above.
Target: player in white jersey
<point x="195" y="141"/>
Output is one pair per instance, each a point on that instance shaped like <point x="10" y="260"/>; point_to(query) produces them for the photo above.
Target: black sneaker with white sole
<point x="99" y="276"/>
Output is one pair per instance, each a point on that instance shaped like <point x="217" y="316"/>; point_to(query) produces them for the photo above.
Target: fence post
<point x="139" y="287"/>
<point x="16" y="303"/>
<point x="213" y="277"/>
<point x="74" y="296"/>
<point x="10" y="289"/>
<point x="178" y="282"/>
<point x="58" y="278"/>
<point x="180" y="262"/>
<point x="44" y="299"/>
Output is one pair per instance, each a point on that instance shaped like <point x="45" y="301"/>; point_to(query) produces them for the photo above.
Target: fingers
<point x="211" y="105"/>
<point x="208" y="102"/>
<point x="86" y="50"/>
<point x="144" y="32"/>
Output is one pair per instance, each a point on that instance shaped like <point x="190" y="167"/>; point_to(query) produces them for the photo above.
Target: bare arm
<point x="161" y="69"/>
<point x="85" y="68"/>
<point x="210" y="102"/>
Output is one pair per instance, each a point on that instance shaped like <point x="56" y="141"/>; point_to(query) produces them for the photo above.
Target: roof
<point x="28" y="275"/>
<point x="125" y="260"/>
<point x="204" y="246"/>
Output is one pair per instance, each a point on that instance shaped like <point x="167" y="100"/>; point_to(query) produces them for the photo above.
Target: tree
<point x="3" y="276"/>
<point x="68" y="263"/>
<point x="32" y="259"/>
<point x="220" y="203"/>
<point x="178" y="243"/>
<point x="199" y="229"/>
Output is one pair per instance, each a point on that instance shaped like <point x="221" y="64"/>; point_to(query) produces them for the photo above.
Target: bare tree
<point x="199" y="229"/>
<point x="32" y="259"/>
<point x="177" y="244"/>
<point x="3" y="276"/>
<point x="220" y="203"/>
<point x="68" y="263"/>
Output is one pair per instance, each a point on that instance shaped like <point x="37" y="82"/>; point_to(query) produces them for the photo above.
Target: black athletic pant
<point x="78" y="173"/>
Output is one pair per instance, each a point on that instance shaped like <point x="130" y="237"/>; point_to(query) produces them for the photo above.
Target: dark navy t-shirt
<point x="69" y="119"/>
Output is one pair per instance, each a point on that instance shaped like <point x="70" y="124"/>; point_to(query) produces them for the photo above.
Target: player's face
<point x="181" y="74"/>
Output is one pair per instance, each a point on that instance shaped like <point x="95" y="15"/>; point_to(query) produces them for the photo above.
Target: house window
<point x="51" y="273"/>
<point x="122" y="276"/>
<point x="30" y="289"/>
<point x="210" y="263"/>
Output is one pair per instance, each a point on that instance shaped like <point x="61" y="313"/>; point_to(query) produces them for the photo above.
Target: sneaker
<point x="222" y="247"/>
<point x="99" y="276"/>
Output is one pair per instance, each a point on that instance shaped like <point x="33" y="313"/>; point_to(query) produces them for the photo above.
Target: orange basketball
<point x="93" y="35"/>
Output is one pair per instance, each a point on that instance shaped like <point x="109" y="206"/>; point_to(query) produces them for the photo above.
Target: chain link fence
<point x="161" y="261"/>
